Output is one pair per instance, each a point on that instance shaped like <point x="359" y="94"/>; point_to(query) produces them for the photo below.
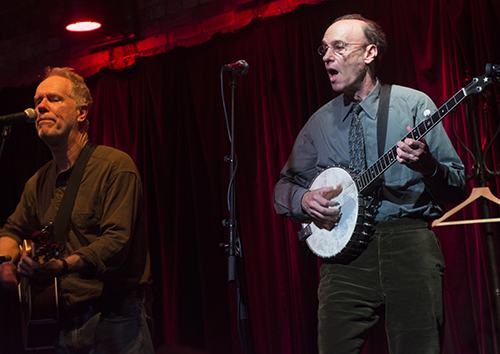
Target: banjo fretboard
<point x="364" y="179"/>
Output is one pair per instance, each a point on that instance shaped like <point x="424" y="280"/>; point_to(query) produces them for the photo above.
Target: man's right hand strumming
<point x="318" y="205"/>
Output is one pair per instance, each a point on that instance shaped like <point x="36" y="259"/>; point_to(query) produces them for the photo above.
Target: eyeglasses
<point x="338" y="47"/>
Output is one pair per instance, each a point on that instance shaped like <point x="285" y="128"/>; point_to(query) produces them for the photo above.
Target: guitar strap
<point x="383" y="113"/>
<point x="61" y="221"/>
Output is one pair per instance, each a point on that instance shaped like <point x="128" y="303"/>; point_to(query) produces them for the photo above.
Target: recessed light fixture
<point x="83" y="26"/>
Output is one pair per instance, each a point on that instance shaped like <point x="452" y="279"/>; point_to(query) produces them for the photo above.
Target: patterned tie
<point x="356" y="141"/>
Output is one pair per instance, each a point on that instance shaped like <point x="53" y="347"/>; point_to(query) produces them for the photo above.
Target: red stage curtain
<point x="166" y="112"/>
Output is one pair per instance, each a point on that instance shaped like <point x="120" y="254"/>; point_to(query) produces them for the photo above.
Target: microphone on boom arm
<point x="28" y="115"/>
<point x="239" y="68"/>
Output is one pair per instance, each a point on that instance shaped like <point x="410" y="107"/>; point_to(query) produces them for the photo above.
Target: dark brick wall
<point x="32" y="34"/>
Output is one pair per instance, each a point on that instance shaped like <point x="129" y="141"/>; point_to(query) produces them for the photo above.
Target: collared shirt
<point x="323" y="142"/>
<point x="106" y="229"/>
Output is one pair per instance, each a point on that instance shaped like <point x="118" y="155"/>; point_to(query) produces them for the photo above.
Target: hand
<point x="416" y="156"/>
<point x="8" y="276"/>
<point x="318" y="205"/>
<point x="29" y="267"/>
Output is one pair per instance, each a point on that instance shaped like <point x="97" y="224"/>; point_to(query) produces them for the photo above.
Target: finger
<point x="52" y="267"/>
<point x="424" y="146"/>
<point x="28" y="267"/>
<point x="403" y="156"/>
<point x="318" y="207"/>
<point x="415" y="145"/>
<point x="23" y="270"/>
<point x="404" y="146"/>
<point x="328" y="214"/>
<point x="332" y="192"/>
<point x="320" y="198"/>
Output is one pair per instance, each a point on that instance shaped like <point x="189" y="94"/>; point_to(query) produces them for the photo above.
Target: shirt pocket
<point x="85" y="227"/>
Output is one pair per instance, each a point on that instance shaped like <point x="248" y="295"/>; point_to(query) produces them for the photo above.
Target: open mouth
<point x="332" y="72"/>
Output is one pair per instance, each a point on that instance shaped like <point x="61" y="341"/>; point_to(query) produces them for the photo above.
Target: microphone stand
<point x="233" y="248"/>
<point x="481" y="171"/>
<point x="5" y="135"/>
<point x="29" y="115"/>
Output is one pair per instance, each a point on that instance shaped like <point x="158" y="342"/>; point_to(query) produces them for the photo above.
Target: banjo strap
<point x="383" y="113"/>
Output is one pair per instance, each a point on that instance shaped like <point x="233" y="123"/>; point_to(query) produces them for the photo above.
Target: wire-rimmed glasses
<point x="337" y="47"/>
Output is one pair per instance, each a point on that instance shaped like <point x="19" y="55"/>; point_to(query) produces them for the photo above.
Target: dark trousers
<point x="401" y="271"/>
<point x="121" y="329"/>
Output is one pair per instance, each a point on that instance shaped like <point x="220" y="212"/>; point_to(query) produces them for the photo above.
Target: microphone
<point x="28" y="115"/>
<point x="239" y="68"/>
<point x="5" y="259"/>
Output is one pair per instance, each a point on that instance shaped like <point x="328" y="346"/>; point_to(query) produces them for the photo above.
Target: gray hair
<point x="373" y="33"/>
<point x="79" y="90"/>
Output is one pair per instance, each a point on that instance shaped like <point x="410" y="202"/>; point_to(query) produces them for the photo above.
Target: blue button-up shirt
<point x="323" y="142"/>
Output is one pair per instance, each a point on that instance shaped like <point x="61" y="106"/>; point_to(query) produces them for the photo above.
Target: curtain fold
<point x="166" y="112"/>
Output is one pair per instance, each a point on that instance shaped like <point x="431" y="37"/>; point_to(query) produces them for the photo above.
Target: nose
<point x="42" y="106"/>
<point x="329" y="54"/>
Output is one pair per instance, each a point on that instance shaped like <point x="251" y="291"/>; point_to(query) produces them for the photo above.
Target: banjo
<point x="346" y="240"/>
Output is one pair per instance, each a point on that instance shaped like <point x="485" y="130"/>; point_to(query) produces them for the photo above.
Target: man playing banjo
<point x="400" y="267"/>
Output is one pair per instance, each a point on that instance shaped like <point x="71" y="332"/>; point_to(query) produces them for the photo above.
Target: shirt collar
<point x="369" y="104"/>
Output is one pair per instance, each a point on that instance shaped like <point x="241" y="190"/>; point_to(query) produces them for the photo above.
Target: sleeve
<point x="23" y="222"/>
<point x="295" y="178"/>
<point x="447" y="185"/>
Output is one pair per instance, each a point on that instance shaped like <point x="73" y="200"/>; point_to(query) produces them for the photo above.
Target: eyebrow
<point x="333" y="41"/>
<point x="48" y="95"/>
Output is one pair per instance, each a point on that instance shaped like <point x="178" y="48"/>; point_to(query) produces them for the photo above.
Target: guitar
<point x="39" y="297"/>
<point x="345" y="241"/>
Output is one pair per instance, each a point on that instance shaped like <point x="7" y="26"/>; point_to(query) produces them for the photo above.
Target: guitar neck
<point x="385" y="161"/>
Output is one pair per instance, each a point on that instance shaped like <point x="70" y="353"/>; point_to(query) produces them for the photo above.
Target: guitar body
<point x="351" y="235"/>
<point x="39" y="307"/>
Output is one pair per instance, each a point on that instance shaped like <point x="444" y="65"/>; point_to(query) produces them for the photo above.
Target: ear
<point x="84" y="111"/>
<point x="371" y="53"/>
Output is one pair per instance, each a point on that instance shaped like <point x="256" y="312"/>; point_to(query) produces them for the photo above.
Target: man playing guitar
<point x="103" y="265"/>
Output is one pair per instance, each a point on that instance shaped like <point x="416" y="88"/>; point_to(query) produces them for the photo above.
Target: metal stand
<point x="481" y="171"/>
<point x="5" y="136"/>
<point x="233" y="248"/>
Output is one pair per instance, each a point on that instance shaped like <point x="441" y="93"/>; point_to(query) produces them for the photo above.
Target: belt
<point x="107" y="302"/>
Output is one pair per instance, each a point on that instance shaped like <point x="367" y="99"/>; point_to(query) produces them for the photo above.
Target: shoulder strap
<point x="383" y="113"/>
<point x="66" y="207"/>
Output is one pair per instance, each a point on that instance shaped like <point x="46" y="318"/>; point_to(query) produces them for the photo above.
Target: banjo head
<point x="325" y="243"/>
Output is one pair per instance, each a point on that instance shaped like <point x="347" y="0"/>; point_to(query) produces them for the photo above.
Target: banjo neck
<point x="364" y="179"/>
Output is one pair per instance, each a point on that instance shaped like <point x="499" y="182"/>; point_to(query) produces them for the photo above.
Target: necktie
<point x="356" y="141"/>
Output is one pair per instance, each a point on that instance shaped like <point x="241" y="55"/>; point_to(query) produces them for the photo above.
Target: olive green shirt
<point x="106" y="229"/>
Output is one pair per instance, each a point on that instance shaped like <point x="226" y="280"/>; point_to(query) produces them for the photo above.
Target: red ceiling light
<point x="97" y="21"/>
<point x="83" y="26"/>
<point x="83" y="15"/>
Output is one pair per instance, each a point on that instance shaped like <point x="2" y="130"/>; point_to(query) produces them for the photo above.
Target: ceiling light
<point x="83" y="26"/>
